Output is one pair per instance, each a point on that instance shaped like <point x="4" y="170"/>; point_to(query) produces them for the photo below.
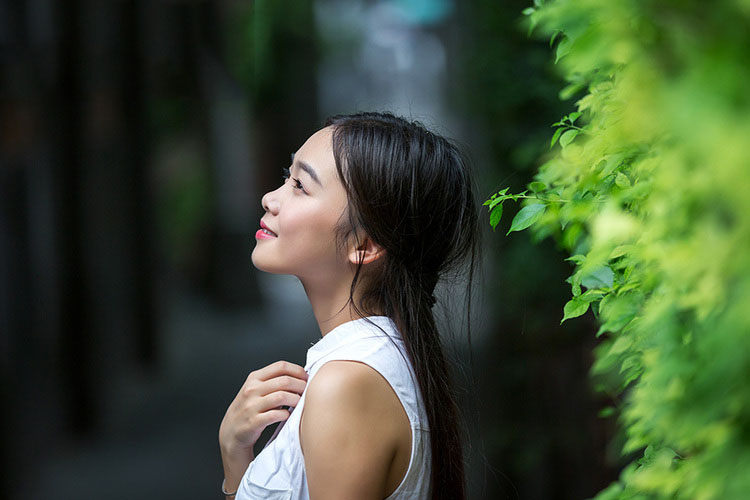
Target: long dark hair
<point x="410" y="191"/>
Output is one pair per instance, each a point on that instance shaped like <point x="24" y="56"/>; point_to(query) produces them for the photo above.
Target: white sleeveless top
<point x="278" y="472"/>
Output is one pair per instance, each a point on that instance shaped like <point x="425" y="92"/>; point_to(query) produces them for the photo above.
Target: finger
<point x="280" y="398"/>
<point x="272" y="416"/>
<point x="280" y="368"/>
<point x="283" y="383"/>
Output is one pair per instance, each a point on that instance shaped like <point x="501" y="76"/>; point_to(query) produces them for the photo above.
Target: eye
<point x="287" y="174"/>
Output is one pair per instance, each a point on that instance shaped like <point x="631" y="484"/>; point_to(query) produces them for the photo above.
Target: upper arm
<point x="347" y="432"/>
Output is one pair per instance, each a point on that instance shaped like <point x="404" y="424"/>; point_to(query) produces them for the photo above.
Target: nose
<point x="270" y="202"/>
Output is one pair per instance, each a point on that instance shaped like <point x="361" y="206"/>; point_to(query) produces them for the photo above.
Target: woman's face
<point x="302" y="216"/>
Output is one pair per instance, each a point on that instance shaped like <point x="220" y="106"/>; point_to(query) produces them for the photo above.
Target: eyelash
<point x="297" y="184"/>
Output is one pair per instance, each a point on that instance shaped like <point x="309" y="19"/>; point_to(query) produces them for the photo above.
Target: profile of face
<point x="298" y="230"/>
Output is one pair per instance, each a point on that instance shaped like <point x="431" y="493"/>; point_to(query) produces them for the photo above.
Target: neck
<point x="330" y="303"/>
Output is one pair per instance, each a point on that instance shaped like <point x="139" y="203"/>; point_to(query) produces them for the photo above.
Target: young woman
<point x="373" y="211"/>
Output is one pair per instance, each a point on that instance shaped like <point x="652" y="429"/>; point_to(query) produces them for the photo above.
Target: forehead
<point x="317" y="151"/>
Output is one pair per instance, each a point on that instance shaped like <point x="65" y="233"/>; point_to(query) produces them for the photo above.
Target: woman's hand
<point x="257" y="405"/>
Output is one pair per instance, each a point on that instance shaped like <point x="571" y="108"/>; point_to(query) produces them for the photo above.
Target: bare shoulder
<point x="347" y="396"/>
<point x="351" y="429"/>
<point x="346" y="381"/>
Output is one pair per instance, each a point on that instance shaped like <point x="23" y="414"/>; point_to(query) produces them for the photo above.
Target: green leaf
<point x="621" y="344"/>
<point x="569" y="91"/>
<point x="577" y="259"/>
<point x="494" y="202"/>
<point x="533" y="20"/>
<point x="574" y="308"/>
<point x="495" y="215"/>
<point x="526" y="217"/>
<point x="528" y="11"/>
<point x="562" y="49"/>
<point x="501" y="192"/>
<point x="537" y="186"/>
<point x="575" y="283"/>
<point x="618" y="311"/>
<point x="622" y="180"/>
<point x="555" y="136"/>
<point x="599" y="277"/>
<point x="612" y="162"/>
<point x="630" y="362"/>
<point x="572" y="117"/>
<point x="592" y="295"/>
<point x="553" y="37"/>
<point x="607" y="412"/>
<point x="619" y="251"/>
<point x="568" y="137"/>
<point x="496" y="198"/>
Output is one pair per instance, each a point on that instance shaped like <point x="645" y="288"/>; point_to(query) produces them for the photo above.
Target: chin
<point x="257" y="260"/>
<point x="261" y="264"/>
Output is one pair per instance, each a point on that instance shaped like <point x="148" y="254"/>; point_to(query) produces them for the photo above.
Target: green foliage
<point x="259" y="37"/>
<point x="648" y="187"/>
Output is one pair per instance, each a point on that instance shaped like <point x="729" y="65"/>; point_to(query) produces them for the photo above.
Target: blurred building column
<point x="105" y="234"/>
<point x="138" y="156"/>
<point x="73" y="290"/>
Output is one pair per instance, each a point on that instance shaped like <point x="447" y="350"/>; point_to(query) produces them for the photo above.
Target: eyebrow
<point x="307" y="168"/>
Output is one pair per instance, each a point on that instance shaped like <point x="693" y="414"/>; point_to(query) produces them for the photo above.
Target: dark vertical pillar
<point x="15" y="300"/>
<point x="76" y="329"/>
<point x="140" y="196"/>
<point x="15" y="289"/>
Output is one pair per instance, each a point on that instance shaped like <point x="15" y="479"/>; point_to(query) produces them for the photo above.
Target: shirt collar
<point x="348" y="332"/>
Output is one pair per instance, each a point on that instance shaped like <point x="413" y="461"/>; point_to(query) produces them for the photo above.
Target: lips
<point x="267" y="230"/>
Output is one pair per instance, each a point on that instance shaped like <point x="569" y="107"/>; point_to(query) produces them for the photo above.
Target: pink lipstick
<point x="264" y="233"/>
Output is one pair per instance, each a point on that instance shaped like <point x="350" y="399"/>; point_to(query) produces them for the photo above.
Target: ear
<point x="366" y="252"/>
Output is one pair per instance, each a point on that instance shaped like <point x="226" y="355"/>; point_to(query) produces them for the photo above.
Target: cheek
<point x="317" y="232"/>
<point x="317" y="235"/>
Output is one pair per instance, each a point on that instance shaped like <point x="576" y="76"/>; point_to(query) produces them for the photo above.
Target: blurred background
<point x="136" y="139"/>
